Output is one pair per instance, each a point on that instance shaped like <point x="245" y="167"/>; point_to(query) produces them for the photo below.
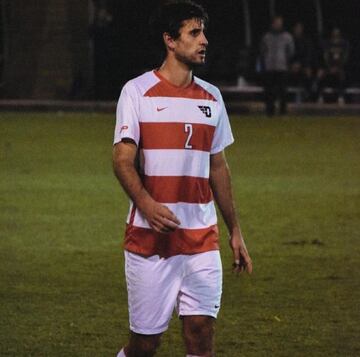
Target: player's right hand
<point x="161" y="219"/>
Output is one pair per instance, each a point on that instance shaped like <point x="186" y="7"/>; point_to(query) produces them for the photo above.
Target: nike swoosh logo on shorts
<point x="160" y="109"/>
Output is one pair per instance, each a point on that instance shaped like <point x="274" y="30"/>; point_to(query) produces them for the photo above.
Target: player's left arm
<point x="220" y="182"/>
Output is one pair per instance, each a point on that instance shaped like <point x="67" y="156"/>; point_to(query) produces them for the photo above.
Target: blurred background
<point x="87" y="49"/>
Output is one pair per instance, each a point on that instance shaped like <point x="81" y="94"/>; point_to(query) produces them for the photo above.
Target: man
<point x="276" y="50"/>
<point x="101" y="35"/>
<point x="170" y="135"/>
<point x="302" y="61"/>
<point x="335" y="57"/>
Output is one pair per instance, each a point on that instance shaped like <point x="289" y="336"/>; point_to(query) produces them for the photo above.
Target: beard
<point x="190" y="62"/>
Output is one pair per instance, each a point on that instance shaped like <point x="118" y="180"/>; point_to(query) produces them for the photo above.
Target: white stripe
<point x="176" y="162"/>
<point x="178" y="110"/>
<point x="191" y="215"/>
<point x="129" y="213"/>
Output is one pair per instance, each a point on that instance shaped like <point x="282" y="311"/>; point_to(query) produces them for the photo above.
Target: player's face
<point x="190" y="46"/>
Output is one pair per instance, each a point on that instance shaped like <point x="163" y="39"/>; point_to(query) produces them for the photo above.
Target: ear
<point x="169" y="41"/>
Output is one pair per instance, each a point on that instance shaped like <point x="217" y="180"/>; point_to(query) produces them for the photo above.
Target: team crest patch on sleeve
<point x="206" y="110"/>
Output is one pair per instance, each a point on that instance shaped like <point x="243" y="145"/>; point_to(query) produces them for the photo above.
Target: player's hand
<point x="242" y="260"/>
<point x="161" y="219"/>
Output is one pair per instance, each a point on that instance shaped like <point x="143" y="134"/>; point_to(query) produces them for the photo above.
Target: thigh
<point x="283" y="81"/>
<point x="277" y="82"/>
<point x="153" y="284"/>
<point x="268" y="82"/>
<point x="274" y="85"/>
<point x="201" y="287"/>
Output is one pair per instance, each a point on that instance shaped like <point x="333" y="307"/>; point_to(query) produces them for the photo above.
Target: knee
<point x="142" y="345"/>
<point x="199" y="329"/>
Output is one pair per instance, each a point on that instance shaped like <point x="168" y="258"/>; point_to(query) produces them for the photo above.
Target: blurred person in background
<point x="335" y="54"/>
<point x="276" y="50"/>
<point x="101" y="32"/>
<point x="301" y="71"/>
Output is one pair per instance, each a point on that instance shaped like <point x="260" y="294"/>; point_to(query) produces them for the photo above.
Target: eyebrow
<point x="196" y="29"/>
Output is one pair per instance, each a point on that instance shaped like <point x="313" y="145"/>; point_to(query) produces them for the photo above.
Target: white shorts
<point x="190" y="283"/>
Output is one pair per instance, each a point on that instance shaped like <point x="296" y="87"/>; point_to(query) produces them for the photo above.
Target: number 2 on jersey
<point x="189" y="130"/>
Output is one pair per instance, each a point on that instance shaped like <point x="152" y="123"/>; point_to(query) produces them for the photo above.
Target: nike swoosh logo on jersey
<point x="160" y="109"/>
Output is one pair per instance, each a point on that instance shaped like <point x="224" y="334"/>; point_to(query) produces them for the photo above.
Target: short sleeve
<point x="127" y="115"/>
<point x="222" y="136"/>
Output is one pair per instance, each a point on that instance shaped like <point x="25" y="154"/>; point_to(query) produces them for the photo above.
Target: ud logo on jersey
<point x="206" y="110"/>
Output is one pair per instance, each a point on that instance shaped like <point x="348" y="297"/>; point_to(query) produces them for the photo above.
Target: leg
<point x="153" y="284"/>
<point x="269" y="93"/>
<point x="308" y="79"/>
<point x="282" y="82"/>
<point x="198" y="332"/>
<point x="319" y="84"/>
<point x="142" y="345"/>
<point x="341" y="86"/>
<point x="199" y="301"/>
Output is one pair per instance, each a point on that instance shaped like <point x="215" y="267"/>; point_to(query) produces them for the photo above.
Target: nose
<point x="204" y="40"/>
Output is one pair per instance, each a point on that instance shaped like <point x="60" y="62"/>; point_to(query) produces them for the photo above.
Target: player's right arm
<point x="160" y="218"/>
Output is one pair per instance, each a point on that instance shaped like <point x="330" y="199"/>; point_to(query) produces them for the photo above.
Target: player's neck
<point x="177" y="73"/>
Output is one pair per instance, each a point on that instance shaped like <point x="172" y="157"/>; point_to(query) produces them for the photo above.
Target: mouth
<point x="202" y="52"/>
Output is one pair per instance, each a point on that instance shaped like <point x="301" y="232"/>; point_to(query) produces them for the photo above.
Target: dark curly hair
<point x="170" y="16"/>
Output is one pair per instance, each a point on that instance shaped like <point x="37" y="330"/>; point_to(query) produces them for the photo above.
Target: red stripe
<point x="165" y="89"/>
<point x="173" y="189"/>
<point x="182" y="241"/>
<point x="174" y="136"/>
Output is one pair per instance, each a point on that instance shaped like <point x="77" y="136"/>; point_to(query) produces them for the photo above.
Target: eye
<point x="195" y="32"/>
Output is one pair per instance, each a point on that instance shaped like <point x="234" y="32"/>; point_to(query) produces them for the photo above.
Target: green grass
<point x="62" y="290"/>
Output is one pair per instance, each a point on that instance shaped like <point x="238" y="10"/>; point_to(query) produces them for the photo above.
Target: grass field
<point x="62" y="213"/>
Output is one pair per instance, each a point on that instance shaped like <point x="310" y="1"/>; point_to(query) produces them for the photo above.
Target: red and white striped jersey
<point x="176" y="130"/>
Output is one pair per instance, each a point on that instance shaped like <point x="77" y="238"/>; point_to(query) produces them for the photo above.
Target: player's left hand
<point x="242" y="260"/>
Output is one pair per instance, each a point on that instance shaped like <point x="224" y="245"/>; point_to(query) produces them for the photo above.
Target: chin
<point x="191" y="62"/>
<point x="196" y="64"/>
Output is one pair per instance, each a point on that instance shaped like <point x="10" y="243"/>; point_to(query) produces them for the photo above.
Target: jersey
<point x="176" y="130"/>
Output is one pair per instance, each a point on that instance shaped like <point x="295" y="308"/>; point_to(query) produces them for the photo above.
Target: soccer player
<point x="170" y="135"/>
